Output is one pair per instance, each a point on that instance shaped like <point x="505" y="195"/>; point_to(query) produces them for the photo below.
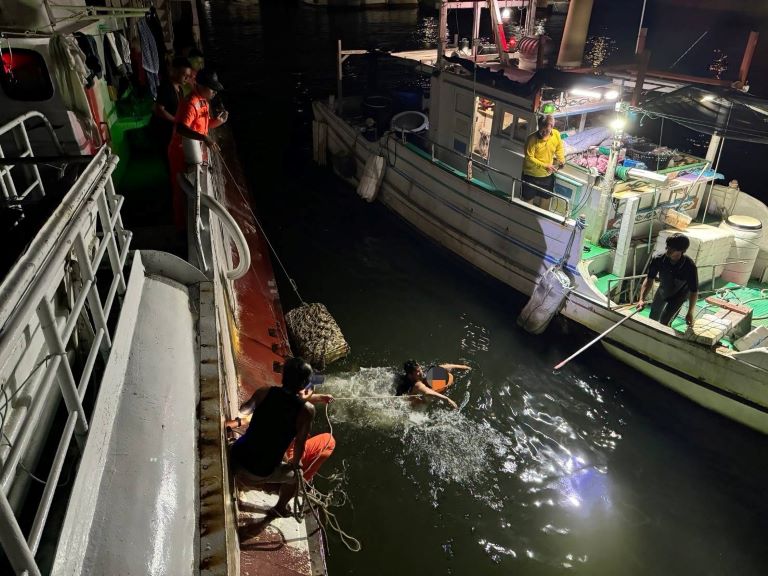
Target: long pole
<point x="597" y="339"/>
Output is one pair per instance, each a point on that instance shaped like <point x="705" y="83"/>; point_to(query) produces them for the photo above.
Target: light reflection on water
<point x="525" y="455"/>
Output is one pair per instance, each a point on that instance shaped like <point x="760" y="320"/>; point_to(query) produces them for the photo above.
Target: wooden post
<point x="642" y="68"/>
<point x="641" y="38"/>
<point x="442" y="32"/>
<point x="475" y="28"/>
<point x="746" y="61"/>
<point x="339" y="97"/>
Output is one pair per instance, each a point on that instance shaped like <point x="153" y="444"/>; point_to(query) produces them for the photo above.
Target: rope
<point x="311" y="497"/>
<point x="261" y="228"/>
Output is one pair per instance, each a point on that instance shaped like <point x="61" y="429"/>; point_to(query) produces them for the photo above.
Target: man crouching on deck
<point x="276" y="443"/>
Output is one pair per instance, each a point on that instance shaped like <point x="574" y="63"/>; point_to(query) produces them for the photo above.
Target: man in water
<point x="678" y="280"/>
<point x="544" y="155"/>
<point x="277" y="443"/>
<point x="414" y="382"/>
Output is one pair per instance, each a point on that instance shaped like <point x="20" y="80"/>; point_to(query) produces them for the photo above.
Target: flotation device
<point x="438" y="378"/>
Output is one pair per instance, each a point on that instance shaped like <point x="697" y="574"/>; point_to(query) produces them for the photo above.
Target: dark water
<point x="594" y="471"/>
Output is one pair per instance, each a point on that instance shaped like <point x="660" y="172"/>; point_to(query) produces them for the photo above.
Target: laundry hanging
<point x="150" y="60"/>
<point x="71" y="74"/>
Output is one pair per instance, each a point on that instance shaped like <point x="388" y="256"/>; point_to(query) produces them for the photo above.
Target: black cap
<point x="208" y="78"/>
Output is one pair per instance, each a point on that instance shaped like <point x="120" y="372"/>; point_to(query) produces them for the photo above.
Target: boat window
<point x="24" y="76"/>
<point x="481" y="137"/>
<point x="514" y="127"/>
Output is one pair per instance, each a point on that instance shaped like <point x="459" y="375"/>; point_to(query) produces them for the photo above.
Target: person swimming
<point x="414" y="382"/>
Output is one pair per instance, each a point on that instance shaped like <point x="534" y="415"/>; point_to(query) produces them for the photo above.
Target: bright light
<point x="506" y="13"/>
<point x="586" y="93"/>
<point x="618" y="124"/>
<point x="707" y="98"/>
<point x="611" y="94"/>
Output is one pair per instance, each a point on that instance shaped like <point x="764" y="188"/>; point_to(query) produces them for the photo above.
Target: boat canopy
<point x="723" y="112"/>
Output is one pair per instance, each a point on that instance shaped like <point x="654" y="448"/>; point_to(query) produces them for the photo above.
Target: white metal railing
<point x="18" y="130"/>
<point x="60" y="291"/>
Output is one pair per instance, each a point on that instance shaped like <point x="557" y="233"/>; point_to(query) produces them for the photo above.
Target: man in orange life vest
<point x="193" y="121"/>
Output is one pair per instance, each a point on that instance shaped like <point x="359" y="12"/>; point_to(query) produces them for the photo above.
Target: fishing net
<point x="315" y="336"/>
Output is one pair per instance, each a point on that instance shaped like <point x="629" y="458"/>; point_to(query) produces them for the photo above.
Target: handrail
<point x="33" y="310"/>
<point x="471" y="162"/>
<point x="7" y="184"/>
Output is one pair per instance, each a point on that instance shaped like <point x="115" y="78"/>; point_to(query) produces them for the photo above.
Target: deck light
<point x="586" y="93"/>
<point x="611" y="95"/>
<point x="618" y="124"/>
<point x="506" y="13"/>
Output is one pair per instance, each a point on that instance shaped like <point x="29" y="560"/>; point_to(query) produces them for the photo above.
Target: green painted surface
<point x="602" y="282"/>
<point x="594" y="250"/>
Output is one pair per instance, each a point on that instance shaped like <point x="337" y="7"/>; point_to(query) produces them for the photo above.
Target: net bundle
<point x="315" y="335"/>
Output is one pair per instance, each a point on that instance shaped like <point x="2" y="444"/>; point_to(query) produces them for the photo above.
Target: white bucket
<point x="747" y="232"/>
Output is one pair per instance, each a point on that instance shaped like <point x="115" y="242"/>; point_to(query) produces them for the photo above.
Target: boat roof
<point x="733" y="114"/>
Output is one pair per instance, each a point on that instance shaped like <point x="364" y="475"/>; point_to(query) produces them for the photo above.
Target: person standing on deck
<point x="544" y="155"/>
<point x="169" y="96"/>
<point x="192" y="121"/>
<point x="678" y="280"/>
<point x="414" y="382"/>
<point x="276" y="443"/>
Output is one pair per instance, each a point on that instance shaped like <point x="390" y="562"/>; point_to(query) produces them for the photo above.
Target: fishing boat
<point x="447" y="157"/>
<point x="123" y="351"/>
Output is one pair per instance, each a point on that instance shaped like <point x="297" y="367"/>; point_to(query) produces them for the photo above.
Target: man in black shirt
<point x="276" y="443"/>
<point x="169" y="94"/>
<point x="678" y="280"/>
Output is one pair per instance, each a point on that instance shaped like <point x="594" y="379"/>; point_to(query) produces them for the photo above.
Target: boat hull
<point x="515" y="243"/>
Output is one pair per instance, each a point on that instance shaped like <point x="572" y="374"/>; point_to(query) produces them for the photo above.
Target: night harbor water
<point x="594" y="470"/>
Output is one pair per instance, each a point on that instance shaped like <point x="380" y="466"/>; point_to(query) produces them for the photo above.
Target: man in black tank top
<point x="277" y="441"/>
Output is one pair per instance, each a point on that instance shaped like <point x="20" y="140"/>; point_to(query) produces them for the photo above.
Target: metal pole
<point x="339" y="61"/>
<point x="12" y="541"/>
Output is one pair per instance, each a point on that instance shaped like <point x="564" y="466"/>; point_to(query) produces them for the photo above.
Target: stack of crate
<point x="709" y="246"/>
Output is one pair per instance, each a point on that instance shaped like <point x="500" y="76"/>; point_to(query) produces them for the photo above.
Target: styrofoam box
<point x="709" y="245"/>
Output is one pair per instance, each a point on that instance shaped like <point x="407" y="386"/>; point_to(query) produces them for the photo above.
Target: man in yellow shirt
<point x="544" y="155"/>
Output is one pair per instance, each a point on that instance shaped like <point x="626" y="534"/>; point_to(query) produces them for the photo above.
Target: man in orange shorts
<point x="193" y="121"/>
<point x="277" y="443"/>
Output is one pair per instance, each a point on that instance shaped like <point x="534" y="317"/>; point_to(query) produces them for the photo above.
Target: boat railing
<point x="481" y="173"/>
<point x="54" y="329"/>
<point x="611" y="300"/>
<point x="17" y="128"/>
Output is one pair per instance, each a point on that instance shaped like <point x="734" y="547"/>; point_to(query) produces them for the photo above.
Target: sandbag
<point x="546" y="301"/>
<point x="315" y="335"/>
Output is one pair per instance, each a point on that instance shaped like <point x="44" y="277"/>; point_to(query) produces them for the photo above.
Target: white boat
<point x="120" y="362"/>
<point x="459" y="182"/>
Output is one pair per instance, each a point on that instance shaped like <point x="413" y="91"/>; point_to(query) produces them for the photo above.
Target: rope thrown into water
<point x="261" y="228"/>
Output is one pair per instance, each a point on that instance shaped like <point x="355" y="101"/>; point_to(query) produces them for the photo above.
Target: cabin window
<point x="24" y="76"/>
<point x="460" y="146"/>
<point x="481" y="137"/>
<point x="514" y="127"/>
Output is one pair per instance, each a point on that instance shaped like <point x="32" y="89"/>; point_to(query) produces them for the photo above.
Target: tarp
<point x="732" y="114"/>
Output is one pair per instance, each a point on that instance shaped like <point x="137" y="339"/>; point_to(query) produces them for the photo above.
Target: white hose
<point x="234" y="232"/>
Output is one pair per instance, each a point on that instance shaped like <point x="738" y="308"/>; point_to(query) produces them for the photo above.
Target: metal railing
<point x="61" y="294"/>
<point x="469" y="168"/>
<point x="23" y="149"/>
